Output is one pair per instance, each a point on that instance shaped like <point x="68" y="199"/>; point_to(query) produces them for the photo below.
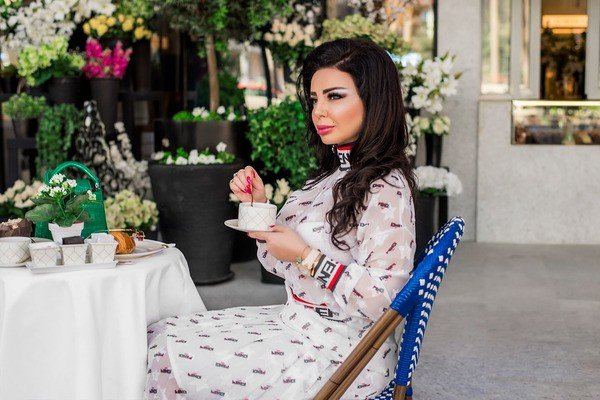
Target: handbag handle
<point x="73" y="164"/>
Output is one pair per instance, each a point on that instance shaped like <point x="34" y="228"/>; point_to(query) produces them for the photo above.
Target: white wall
<point x="537" y="193"/>
<point x="459" y="33"/>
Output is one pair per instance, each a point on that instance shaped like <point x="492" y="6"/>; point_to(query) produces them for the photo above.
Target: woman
<point x="344" y="244"/>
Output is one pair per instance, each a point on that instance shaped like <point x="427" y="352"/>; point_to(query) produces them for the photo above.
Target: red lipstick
<point x="324" y="129"/>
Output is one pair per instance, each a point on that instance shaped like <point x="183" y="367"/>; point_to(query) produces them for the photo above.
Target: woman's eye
<point x="334" y="96"/>
<point x="313" y="101"/>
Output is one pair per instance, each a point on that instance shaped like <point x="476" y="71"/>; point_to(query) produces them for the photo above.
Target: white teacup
<point x="257" y="216"/>
<point x="14" y="250"/>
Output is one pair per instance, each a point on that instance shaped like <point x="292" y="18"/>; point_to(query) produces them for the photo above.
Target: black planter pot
<point x="244" y="248"/>
<point x="199" y="135"/>
<point x="105" y="91"/>
<point x="25" y="128"/>
<point x="267" y="277"/>
<point x="141" y="67"/>
<point x="65" y="90"/>
<point x="8" y="84"/>
<point x="433" y="145"/>
<point x="193" y="203"/>
<point x="425" y="209"/>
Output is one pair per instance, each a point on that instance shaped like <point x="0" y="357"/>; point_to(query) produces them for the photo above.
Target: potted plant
<point x="127" y="210"/>
<point x="433" y="184"/>
<point x="278" y="137"/>
<point x="59" y="205"/>
<point x="55" y="136"/>
<point x="434" y="128"/>
<point x="9" y="79"/>
<point x="105" y="68"/>
<point x="191" y="191"/>
<point x="24" y="111"/>
<point x="52" y="62"/>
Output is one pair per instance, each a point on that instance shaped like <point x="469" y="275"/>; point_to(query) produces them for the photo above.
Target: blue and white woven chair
<point x="413" y="303"/>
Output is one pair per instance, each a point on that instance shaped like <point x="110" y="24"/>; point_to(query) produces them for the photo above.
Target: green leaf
<point x="75" y="205"/>
<point x="65" y="221"/>
<point x="42" y="213"/>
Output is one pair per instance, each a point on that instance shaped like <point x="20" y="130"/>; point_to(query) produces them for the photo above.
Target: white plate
<point x="233" y="224"/>
<point x="68" y="268"/>
<point x="34" y="240"/>
<point x="143" y="249"/>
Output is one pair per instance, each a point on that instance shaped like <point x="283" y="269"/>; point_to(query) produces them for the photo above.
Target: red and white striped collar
<point x="343" y="153"/>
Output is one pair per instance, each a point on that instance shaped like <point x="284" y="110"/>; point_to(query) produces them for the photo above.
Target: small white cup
<point x="14" y="250"/>
<point x="257" y="216"/>
<point x="73" y="254"/>
<point x="44" y="254"/>
<point x="101" y="252"/>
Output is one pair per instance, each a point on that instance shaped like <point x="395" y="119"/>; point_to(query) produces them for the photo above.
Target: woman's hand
<point x="282" y="243"/>
<point x="246" y="185"/>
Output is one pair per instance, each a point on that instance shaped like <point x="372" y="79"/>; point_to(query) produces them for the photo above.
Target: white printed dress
<point x="289" y="351"/>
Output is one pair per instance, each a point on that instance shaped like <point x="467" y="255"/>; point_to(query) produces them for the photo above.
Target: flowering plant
<point x="127" y="210"/>
<point x="16" y="201"/>
<point x="435" y="181"/>
<point x="434" y="125"/>
<point x="58" y="203"/>
<point x="356" y="26"/>
<point x="121" y="26"/>
<point x="199" y="114"/>
<point x="105" y="63"/>
<point x="277" y="196"/>
<point x="50" y="60"/>
<point x="132" y="174"/>
<point x="426" y="85"/>
<point x="195" y="157"/>
<point x="291" y="38"/>
<point x="41" y="21"/>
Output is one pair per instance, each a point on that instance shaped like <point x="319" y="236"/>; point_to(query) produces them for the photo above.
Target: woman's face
<point x="338" y="111"/>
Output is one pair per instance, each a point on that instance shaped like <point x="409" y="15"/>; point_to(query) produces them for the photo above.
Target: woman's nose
<point x="320" y="110"/>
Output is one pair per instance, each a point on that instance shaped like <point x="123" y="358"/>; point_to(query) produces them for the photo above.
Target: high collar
<point x="343" y="153"/>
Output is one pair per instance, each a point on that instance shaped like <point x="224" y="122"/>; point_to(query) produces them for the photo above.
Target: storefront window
<point x="563" y="46"/>
<point x="496" y="46"/>
<point x="556" y="122"/>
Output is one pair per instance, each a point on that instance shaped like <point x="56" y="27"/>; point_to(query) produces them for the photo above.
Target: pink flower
<point x="104" y="63"/>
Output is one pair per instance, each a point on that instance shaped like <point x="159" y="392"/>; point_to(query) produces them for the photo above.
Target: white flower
<point x="71" y="183"/>
<point x="221" y="147"/>
<point x="283" y="187"/>
<point x="10" y="193"/>
<point x="120" y="126"/>
<point x="197" y="111"/>
<point x="19" y="184"/>
<point x="221" y="110"/>
<point x="181" y="161"/>
<point x="158" y="155"/>
<point x="205" y="113"/>
<point x="429" y="177"/>
<point x="165" y="142"/>
<point x="453" y="185"/>
<point x="169" y="160"/>
<point x="91" y="196"/>
<point x="438" y="126"/>
<point x="57" y="179"/>
<point x="278" y="197"/>
<point x="231" y="117"/>
<point x="43" y="189"/>
<point x="269" y="191"/>
<point x="28" y="204"/>
<point x="233" y="198"/>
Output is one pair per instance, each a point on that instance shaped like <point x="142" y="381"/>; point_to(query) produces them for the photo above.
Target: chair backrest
<point x="415" y="300"/>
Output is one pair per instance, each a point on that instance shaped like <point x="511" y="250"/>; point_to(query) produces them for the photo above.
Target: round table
<point x="82" y="335"/>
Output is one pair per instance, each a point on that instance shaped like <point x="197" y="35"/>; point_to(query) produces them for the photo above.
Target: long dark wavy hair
<point x="380" y="147"/>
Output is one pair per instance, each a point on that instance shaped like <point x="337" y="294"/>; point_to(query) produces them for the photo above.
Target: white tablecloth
<point x="82" y="335"/>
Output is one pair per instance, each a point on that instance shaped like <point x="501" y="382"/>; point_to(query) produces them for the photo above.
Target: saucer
<point x="233" y="224"/>
<point x="14" y="265"/>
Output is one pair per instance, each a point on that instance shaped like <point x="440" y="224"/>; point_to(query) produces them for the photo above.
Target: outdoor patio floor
<point x="510" y="321"/>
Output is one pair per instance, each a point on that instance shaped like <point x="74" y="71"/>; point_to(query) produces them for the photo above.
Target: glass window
<point x="556" y="122"/>
<point x="525" y="43"/>
<point x="496" y="46"/>
<point x="564" y="27"/>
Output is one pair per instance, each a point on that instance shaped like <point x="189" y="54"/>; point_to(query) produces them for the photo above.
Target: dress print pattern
<point x="289" y="351"/>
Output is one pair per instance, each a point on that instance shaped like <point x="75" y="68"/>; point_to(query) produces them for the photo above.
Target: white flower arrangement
<point x="437" y="181"/>
<point x="195" y="157"/>
<point x="433" y="125"/>
<point x="16" y="200"/>
<point x="133" y="174"/>
<point x="426" y="85"/>
<point x="42" y="21"/>
<point x="277" y="196"/>
<point x="291" y="33"/>
<point x="127" y="210"/>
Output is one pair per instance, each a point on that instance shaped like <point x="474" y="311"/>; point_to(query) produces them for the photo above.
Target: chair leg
<point x="399" y="392"/>
<point x="409" y="391"/>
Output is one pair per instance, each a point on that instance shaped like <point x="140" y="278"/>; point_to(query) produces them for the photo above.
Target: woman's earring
<point x="333" y="149"/>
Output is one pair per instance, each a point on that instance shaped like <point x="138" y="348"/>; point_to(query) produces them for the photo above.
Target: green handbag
<point x="97" y="221"/>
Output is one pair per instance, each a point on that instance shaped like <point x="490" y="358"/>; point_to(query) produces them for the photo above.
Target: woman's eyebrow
<point x="325" y="91"/>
